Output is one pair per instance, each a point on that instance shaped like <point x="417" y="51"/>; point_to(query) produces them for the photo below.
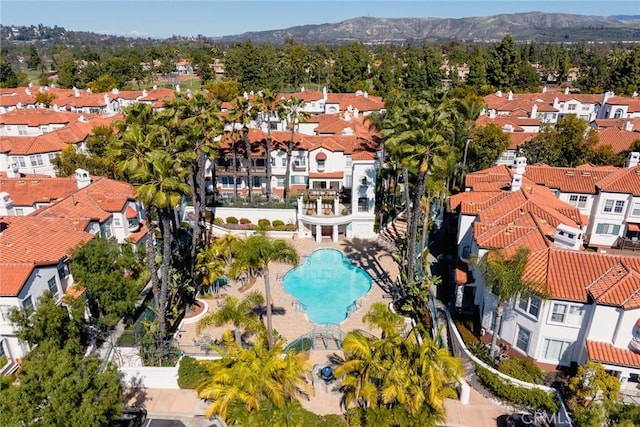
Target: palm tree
<point x="254" y="255"/>
<point x="239" y="117"/>
<point x="246" y="381"/>
<point x="383" y="374"/>
<point x="209" y="268"/>
<point x="295" y="115"/>
<point x="196" y="125"/>
<point x="269" y="105"/>
<point x="425" y="128"/>
<point x="503" y="275"/>
<point x="240" y="313"/>
<point x="162" y="186"/>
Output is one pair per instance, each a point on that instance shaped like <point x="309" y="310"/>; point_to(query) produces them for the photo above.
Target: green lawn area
<point x="311" y="419"/>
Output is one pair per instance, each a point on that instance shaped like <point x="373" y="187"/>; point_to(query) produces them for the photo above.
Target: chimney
<point x="89" y="90"/>
<point x="544" y="89"/>
<point x="355" y="113"/>
<point x="302" y="89"/>
<point x="178" y="88"/>
<point x="83" y="179"/>
<point x="76" y="92"/>
<point x="144" y="93"/>
<point x="566" y="90"/>
<point x="499" y="94"/>
<point x="82" y="119"/>
<point x="155" y="87"/>
<point x="516" y="182"/>
<point x="567" y="237"/>
<point x="534" y="111"/>
<point x="628" y="126"/>
<point x="606" y="96"/>
<point x="510" y="96"/>
<point x="633" y="159"/>
<point x="556" y="102"/>
<point x="6" y="203"/>
<point x="27" y="91"/>
<point x="492" y="113"/>
<point x="519" y="165"/>
<point x="325" y="93"/>
<point x="366" y="94"/>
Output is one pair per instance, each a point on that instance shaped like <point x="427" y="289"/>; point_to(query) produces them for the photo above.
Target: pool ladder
<point x="298" y="305"/>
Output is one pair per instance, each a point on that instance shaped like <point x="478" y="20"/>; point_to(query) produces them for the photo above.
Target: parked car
<point x="526" y="419"/>
<point x="132" y="416"/>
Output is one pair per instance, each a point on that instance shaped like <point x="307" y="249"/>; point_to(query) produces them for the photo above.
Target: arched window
<point x="618" y="113"/>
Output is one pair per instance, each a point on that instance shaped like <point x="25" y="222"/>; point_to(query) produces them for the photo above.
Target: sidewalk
<point x="170" y="403"/>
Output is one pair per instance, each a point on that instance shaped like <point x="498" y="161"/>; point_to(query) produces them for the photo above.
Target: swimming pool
<point x="327" y="285"/>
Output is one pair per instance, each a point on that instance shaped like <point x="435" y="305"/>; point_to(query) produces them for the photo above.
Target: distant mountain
<point x="537" y="26"/>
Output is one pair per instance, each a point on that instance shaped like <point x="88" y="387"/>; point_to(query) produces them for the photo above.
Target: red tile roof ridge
<point x="605" y="352"/>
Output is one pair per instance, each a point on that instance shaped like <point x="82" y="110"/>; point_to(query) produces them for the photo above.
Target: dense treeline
<point x="380" y="70"/>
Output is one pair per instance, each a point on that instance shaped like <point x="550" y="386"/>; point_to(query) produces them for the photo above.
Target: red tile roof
<point x="623" y="180"/>
<point x="361" y="102"/>
<point x="604" y="352"/>
<point x="33" y="117"/>
<point x="582" y="179"/>
<point x="34" y="241"/>
<point x="29" y="191"/>
<point x="620" y="140"/>
<point x="326" y="175"/>
<point x="633" y="103"/>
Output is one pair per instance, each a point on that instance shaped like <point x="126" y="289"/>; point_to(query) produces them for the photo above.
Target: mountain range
<point x="539" y="26"/>
<point x="530" y="26"/>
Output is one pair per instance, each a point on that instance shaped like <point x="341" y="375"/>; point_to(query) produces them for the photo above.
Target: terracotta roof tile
<point x="29" y="191"/>
<point x="568" y="180"/>
<point x="604" y="352"/>
<point x="620" y="140"/>
<point x="37" y="116"/>
<point x="13" y="276"/>
<point x="624" y="180"/>
<point x="361" y="102"/>
<point x="326" y="175"/>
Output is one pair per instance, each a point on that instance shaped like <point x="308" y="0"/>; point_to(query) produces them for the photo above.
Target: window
<point x="227" y="181"/>
<point x="19" y="211"/>
<point x="363" y="204"/>
<point x="619" y="207"/>
<point x="321" y="164"/>
<point x="106" y="230"/>
<point x="273" y="162"/>
<point x="53" y="287"/>
<point x="22" y="130"/>
<point x="116" y="222"/>
<point x="63" y="271"/>
<point x="636" y="209"/>
<point x="36" y="160"/>
<point x="556" y="350"/>
<point x="523" y="337"/>
<point x="51" y="156"/>
<point x="299" y="179"/>
<point x="4" y="312"/>
<point x="571" y="107"/>
<point x="558" y="313"/>
<point x="256" y="181"/>
<point x="284" y="162"/>
<point x="530" y="305"/>
<point x="19" y="161"/>
<point x="27" y="303"/>
<point x="44" y="128"/>
<point x="608" y="206"/>
<point x="279" y="181"/>
<point x="585" y="108"/>
<point x="618" y="113"/>
<point x="607" y="229"/>
<point x="579" y="201"/>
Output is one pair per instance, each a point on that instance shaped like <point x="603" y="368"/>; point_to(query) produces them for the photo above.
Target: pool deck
<point x="380" y="265"/>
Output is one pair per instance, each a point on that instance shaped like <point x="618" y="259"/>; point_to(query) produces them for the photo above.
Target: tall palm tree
<point x="239" y="118"/>
<point x="161" y="186"/>
<point x="426" y="127"/>
<point x="268" y="105"/>
<point x="209" y="268"/>
<point x="195" y="124"/>
<point x="246" y="381"/>
<point x="295" y="115"/>
<point x="240" y="313"/>
<point x="254" y="256"/>
<point x="503" y="276"/>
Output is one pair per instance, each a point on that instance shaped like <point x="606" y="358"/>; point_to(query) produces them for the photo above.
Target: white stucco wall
<point x="598" y="216"/>
<point x="288" y="216"/>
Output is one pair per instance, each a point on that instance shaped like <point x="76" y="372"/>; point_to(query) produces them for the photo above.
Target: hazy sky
<point x="164" y="18"/>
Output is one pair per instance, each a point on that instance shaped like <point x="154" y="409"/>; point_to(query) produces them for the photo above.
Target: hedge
<point x="264" y="223"/>
<point x="277" y="223"/>
<point x="516" y="395"/>
<point x="521" y="369"/>
<point x="190" y="373"/>
<point x="232" y="220"/>
<point x="245" y="221"/>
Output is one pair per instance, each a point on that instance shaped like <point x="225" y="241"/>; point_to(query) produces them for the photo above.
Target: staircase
<point x="394" y="234"/>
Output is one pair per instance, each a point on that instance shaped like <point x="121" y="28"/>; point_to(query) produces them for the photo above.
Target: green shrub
<point x="503" y="389"/>
<point x="232" y="220"/>
<point x="190" y="373"/>
<point x="264" y="223"/>
<point x="466" y="332"/>
<point x="521" y="369"/>
<point x="245" y="221"/>
<point x="277" y="223"/>
<point x="3" y="360"/>
<point x="480" y="351"/>
<point x="218" y="221"/>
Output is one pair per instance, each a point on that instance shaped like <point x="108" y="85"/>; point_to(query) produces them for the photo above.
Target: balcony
<point x="299" y="165"/>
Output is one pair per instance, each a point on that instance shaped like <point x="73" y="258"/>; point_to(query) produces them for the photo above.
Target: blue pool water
<point x="328" y="285"/>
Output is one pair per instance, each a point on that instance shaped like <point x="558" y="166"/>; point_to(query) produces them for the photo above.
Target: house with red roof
<point x="619" y="107"/>
<point x="35" y="245"/>
<point x="586" y="305"/>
